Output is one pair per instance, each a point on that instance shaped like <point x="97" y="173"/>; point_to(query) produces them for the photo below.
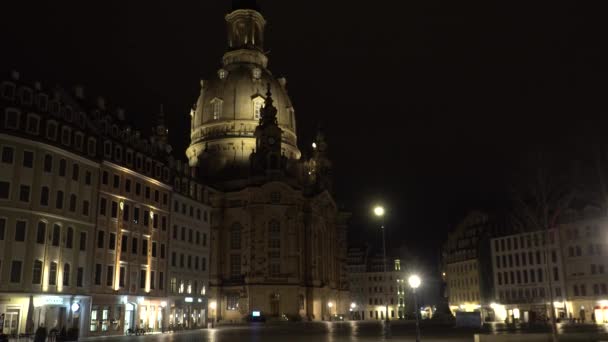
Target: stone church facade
<point x="278" y="238"/>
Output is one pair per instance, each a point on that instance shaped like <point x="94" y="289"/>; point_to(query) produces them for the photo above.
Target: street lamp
<point x="379" y="212"/>
<point x="414" y="282"/>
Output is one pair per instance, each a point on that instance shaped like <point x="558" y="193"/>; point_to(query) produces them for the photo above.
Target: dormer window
<point x="79" y="141"/>
<point x="66" y="135"/>
<point x="118" y="153"/>
<point x="107" y="149"/>
<point x="92" y="146"/>
<point x="216" y="108"/>
<point x="138" y="161"/>
<point x="43" y="102"/>
<point x="11" y="119"/>
<point x="258" y="104"/>
<point x="51" y="130"/>
<point x="55" y="107"/>
<point x="33" y="123"/>
<point x="26" y="96"/>
<point x="129" y="157"/>
<point x="68" y="113"/>
<point x="8" y="91"/>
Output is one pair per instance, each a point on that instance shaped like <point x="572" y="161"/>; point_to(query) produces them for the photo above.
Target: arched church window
<point x="258" y="103"/>
<point x="235" y="236"/>
<point x="216" y="108"/>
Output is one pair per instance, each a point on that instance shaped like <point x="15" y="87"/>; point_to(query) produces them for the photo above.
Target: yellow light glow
<point x="330" y="305"/>
<point x="379" y="211"/>
<point x="213" y="305"/>
<point x="314" y="145"/>
<point x="414" y="281"/>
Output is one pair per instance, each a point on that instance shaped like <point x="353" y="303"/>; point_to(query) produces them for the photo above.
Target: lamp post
<point x="414" y="282"/>
<point x="379" y="212"/>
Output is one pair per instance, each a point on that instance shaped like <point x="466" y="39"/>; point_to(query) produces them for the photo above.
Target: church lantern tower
<point x="229" y="107"/>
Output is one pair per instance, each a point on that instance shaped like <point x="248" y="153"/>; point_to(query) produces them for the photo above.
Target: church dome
<point x="228" y="109"/>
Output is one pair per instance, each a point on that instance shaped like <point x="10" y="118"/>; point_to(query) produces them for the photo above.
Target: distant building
<point x="584" y="248"/>
<point x="528" y="272"/>
<point x="189" y="250"/>
<point x="371" y="289"/>
<point x="467" y="268"/>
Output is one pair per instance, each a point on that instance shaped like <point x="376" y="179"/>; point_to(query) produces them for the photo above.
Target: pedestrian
<point x="40" y="335"/>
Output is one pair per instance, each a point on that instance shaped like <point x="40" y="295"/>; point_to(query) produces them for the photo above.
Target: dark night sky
<point x="429" y="106"/>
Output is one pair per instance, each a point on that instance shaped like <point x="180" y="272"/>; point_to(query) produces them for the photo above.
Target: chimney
<point x="79" y="92"/>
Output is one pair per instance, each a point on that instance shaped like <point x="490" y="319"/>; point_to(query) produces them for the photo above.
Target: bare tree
<point x="544" y="193"/>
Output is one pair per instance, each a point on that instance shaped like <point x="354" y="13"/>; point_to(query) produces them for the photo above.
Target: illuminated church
<point x="278" y="238"/>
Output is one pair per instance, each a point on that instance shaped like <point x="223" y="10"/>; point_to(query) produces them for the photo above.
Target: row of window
<point x="32" y="126"/>
<point x="41" y="100"/>
<point x="201" y="215"/>
<point x="27" y="161"/>
<point x="460" y="283"/>
<point x="527" y="294"/>
<point x="124" y="245"/>
<point x="513" y="260"/>
<point x="157" y="220"/>
<point x="159" y="171"/>
<point x="122" y="274"/>
<point x="25" y="193"/>
<point x="380" y="301"/>
<point x="186" y="261"/>
<point x="381" y="289"/>
<point x="462" y="268"/>
<point x="581" y="289"/>
<point x="573" y="233"/>
<point x="217" y="105"/>
<point x="522" y="241"/>
<point x="521" y="277"/>
<point x="41" y="230"/>
<point x="192" y="236"/>
<point x="465" y="297"/>
<point x="592" y="249"/>
<point x="181" y="286"/>
<point x="16" y="273"/>
<point x="128" y="188"/>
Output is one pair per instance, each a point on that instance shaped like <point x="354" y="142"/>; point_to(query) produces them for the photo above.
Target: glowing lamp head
<point x="163" y="304"/>
<point x="122" y="205"/>
<point x="213" y="305"/>
<point x="414" y="281"/>
<point x="379" y="211"/>
<point x="353" y="305"/>
<point x="314" y="145"/>
<point x="330" y="304"/>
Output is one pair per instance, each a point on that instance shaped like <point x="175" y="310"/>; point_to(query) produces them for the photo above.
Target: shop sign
<point x="48" y="300"/>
